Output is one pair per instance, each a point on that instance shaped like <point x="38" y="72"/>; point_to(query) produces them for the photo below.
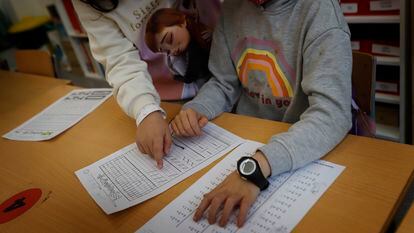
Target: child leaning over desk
<point x="285" y="60"/>
<point x="180" y="34"/>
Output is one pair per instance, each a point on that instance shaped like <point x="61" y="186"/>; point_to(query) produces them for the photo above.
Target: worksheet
<point x="128" y="177"/>
<point x="60" y="116"/>
<point x="277" y="209"/>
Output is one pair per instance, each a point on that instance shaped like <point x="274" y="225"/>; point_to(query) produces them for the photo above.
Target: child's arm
<point x="223" y="89"/>
<point x="129" y="77"/>
<point x="218" y="95"/>
<point x="232" y="192"/>
<point x="327" y="83"/>
<point x="327" y="68"/>
<point x="124" y="69"/>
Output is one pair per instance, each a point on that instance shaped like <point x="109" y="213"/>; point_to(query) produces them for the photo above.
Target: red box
<point x="354" y="7"/>
<point x="385" y="48"/>
<point x="377" y="47"/>
<point x="362" y="45"/>
<point x="387" y="87"/>
<point x="384" y="7"/>
<point x="370" y="7"/>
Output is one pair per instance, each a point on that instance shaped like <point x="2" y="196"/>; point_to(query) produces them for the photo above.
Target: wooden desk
<point x="362" y="199"/>
<point x="407" y="225"/>
<point x="19" y="88"/>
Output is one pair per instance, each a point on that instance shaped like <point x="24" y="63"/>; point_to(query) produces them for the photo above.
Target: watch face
<point x="247" y="167"/>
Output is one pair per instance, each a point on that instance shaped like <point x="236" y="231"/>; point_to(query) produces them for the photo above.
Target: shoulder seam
<point x="322" y="33"/>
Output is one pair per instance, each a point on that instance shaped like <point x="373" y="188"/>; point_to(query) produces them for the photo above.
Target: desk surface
<point x="362" y="199"/>
<point x="20" y="89"/>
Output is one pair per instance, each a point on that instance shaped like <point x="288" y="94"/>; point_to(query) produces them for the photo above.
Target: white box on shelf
<point x="349" y="8"/>
<point x="384" y="5"/>
<point x="388" y="87"/>
<point x="385" y="49"/>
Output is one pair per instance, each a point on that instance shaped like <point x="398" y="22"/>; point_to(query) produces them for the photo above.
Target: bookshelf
<point x="388" y="132"/>
<point x="79" y="40"/>
<point x="388" y="61"/>
<point x="387" y="98"/>
<point x="373" y="19"/>
<point x="394" y="102"/>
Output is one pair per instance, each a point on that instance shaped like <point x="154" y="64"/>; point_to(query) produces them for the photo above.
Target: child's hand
<point x="188" y="123"/>
<point x="154" y="137"/>
<point x="233" y="192"/>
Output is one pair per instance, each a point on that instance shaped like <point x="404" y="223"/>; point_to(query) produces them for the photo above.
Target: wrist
<point x="249" y="169"/>
<point x="154" y="114"/>
<point x="147" y="110"/>
<point x="263" y="163"/>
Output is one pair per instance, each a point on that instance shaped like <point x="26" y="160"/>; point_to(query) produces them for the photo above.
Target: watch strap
<point x="257" y="177"/>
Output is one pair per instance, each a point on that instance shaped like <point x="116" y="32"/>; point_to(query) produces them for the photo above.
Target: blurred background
<point x="382" y="28"/>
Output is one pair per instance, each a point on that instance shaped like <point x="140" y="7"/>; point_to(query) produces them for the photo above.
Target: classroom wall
<point x="15" y="10"/>
<point x="7" y="9"/>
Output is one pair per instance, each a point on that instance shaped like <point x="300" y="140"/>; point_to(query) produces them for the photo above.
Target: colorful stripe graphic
<point x="264" y="61"/>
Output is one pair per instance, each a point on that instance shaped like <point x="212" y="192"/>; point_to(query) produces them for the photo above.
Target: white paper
<point x="128" y="177"/>
<point x="277" y="209"/>
<point x="60" y="116"/>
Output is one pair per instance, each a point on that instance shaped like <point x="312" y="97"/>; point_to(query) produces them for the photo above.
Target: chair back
<point x="363" y="94"/>
<point x="363" y="82"/>
<point x="38" y="62"/>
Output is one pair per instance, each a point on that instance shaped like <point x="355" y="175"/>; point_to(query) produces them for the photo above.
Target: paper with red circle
<point x="18" y="204"/>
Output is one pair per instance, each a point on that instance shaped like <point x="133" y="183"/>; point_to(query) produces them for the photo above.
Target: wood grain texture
<point x="362" y="199"/>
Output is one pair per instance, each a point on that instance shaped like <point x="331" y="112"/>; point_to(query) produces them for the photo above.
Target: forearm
<point x="327" y="86"/>
<point x="223" y="89"/>
<point x="124" y="70"/>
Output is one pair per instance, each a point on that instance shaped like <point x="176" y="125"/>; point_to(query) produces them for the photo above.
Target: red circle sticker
<point x="18" y="204"/>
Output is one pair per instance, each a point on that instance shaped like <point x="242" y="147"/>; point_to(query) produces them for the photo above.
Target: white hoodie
<point x="117" y="42"/>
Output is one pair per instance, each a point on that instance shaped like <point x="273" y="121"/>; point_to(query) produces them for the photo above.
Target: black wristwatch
<point x="249" y="169"/>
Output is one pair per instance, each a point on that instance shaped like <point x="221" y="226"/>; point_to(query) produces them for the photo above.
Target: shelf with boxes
<point x="79" y="40"/>
<point x="378" y="27"/>
<point x="373" y="19"/>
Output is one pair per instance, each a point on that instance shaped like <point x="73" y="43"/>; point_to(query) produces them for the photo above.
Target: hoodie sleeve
<point x="327" y="66"/>
<point x="124" y="69"/>
<point x="223" y="89"/>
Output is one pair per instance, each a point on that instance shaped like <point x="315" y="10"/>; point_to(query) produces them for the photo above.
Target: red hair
<point x="161" y="19"/>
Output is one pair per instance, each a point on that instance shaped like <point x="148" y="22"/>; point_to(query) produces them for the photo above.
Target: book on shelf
<point x="57" y="36"/>
<point x="73" y="17"/>
<point x="388" y="80"/>
<point x="387" y="114"/>
<point x="377" y="47"/>
<point x="89" y="60"/>
<point x="93" y="67"/>
<point x="387" y="87"/>
<point x="101" y="69"/>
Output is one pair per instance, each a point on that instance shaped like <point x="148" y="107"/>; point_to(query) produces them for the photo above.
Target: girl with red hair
<point x="181" y="34"/>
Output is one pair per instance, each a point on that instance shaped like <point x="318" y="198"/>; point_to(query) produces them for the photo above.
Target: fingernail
<point x="196" y="217"/>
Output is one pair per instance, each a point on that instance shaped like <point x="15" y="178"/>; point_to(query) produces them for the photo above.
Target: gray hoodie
<point x="289" y="61"/>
